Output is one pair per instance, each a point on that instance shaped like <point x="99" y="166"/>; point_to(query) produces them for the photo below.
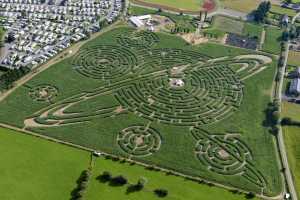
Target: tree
<point x="118" y="180"/>
<point x="105" y="176"/>
<point x="161" y="192"/>
<point x="261" y="12"/>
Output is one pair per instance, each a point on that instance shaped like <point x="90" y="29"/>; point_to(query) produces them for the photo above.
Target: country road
<point x="282" y="149"/>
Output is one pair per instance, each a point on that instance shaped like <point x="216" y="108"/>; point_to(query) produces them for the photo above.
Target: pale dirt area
<point x="193" y="38"/>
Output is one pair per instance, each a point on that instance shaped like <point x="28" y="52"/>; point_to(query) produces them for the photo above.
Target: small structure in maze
<point x="176" y="83"/>
<point x="43" y="93"/>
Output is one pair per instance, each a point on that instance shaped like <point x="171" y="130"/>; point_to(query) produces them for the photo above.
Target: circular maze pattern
<point x="104" y="62"/>
<point x="43" y="93"/>
<point x="136" y="39"/>
<point x="139" y="140"/>
<point x="208" y="95"/>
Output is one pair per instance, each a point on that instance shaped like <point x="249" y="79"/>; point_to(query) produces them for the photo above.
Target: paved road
<point x="282" y="149"/>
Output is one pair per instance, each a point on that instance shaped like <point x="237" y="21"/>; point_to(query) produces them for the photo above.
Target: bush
<point x="286" y="121"/>
<point x="105" y="176"/>
<point x="118" y="180"/>
<point x="161" y="192"/>
<point x="250" y="195"/>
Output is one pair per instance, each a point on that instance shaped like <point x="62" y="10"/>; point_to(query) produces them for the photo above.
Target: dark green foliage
<point x="161" y="192"/>
<point x="82" y="184"/>
<point x="9" y="77"/>
<point x="105" y="176"/>
<point x="261" y="12"/>
<point x="118" y="180"/>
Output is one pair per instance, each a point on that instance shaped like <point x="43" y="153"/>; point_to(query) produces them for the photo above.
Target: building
<point x="295" y="86"/>
<point x="139" y="21"/>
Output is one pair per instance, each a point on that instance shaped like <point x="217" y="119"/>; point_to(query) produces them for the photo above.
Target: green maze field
<point x="153" y="98"/>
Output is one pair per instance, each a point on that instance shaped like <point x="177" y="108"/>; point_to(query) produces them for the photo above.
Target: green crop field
<point x="154" y="98"/>
<point x="292" y="139"/>
<point x="188" y="189"/>
<point x="35" y="169"/>
<point x="272" y="41"/>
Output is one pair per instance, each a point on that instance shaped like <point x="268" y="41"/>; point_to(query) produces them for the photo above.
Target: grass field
<point x="178" y="188"/>
<point x="222" y="25"/>
<point x="292" y="140"/>
<point x="191" y="5"/>
<point x="35" y="169"/>
<point x="291" y="110"/>
<point x="282" y="11"/>
<point x="272" y="41"/>
<point x="124" y="101"/>
<point x="294" y="58"/>
<point x="243" y="6"/>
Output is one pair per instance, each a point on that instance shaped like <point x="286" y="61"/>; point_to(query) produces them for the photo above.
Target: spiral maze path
<point x="139" y="140"/>
<point x="104" y="62"/>
<point x="43" y="93"/>
<point x="226" y="155"/>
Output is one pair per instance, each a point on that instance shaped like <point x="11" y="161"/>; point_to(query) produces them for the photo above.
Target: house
<point x="295" y="87"/>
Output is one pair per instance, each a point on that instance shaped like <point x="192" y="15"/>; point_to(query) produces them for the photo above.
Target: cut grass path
<point x="35" y="169"/>
<point x="177" y="187"/>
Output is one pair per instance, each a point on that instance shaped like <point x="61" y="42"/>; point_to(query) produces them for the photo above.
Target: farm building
<point x="295" y="73"/>
<point x="295" y="86"/>
<point x="139" y="21"/>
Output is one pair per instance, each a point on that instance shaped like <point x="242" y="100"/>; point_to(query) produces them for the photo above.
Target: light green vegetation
<point x="35" y="169"/>
<point x="228" y="25"/>
<point x="282" y="11"/>
<point x="292" y="140"/>
<point x="191" y="5"/>
<point x="272" y="41"/>
<point x="178" y="188"/>
<point x="133" y="70"/>
<point x="240" y="5"/>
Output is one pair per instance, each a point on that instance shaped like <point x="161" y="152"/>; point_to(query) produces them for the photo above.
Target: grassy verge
<point x="292" y="140"/>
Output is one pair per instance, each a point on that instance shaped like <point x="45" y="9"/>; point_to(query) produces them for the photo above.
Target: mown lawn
<point x="292" y="140"/>
<point x="35" y="169"/>
<point x="272" y="41"/>
<point x="178" y="188"/>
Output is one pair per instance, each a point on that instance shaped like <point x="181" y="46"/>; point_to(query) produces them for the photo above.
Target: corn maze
<point x="169" y="86"/>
